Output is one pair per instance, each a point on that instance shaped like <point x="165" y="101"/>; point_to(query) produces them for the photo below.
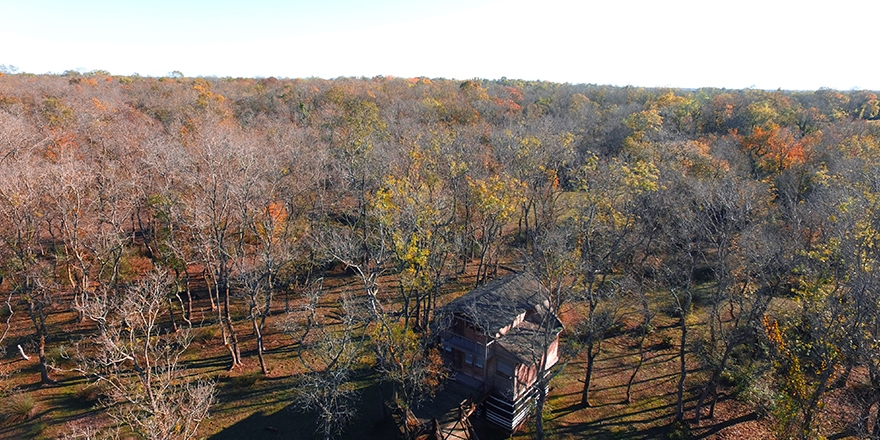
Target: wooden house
<point x="499" y="338"/>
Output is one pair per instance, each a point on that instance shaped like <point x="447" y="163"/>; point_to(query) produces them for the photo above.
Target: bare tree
<point x="222" y="179"/>
<point x="603" y="235"/>
<point x="258" y="289"/>
<point x="272" y="239"/>
<point x="139" y="367"/>
<point x="27" y="265"/>
<point x="161" y="216"/>
<point x="328" y="347"/>
<point x="403" y="357"/>
<point x="553" y="259"/>
<point x="739" y="265"/>
<point x="71" y="220"/>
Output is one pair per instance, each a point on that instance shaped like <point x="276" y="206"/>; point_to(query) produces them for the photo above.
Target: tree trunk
<point x="39" y="321"/>
<point x="259" y="336"/>
<point x="189" y="298"/>
<point x="591" y="357"/>
<point x="711" y="386"/>
<point x="233" y="336"/>
<point x="171" y="315"/>
<point x="407" y="297"/>
<point x="679" y="407"/>
<point x="810" y="410"/>
<point x="481" y="267"/>
<point x="44" y="372"/>
<point x="216" y="291"/>
<point x="539" y="409"/>
<point x="632" y="377"/>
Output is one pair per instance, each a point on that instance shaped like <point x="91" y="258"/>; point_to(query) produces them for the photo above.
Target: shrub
<point x="17" y="408"/>
<point x="36" y="430"/>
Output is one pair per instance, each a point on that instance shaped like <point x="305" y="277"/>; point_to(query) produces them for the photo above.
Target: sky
<point x="763" y="44"/>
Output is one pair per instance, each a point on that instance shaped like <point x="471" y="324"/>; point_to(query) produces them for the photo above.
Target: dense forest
<point x="312" y="227"/>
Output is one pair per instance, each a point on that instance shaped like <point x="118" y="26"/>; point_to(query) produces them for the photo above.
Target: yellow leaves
<point x="580" y="103"/>
<point x="434" y="105"/>
<point x="207" y="99"/>
<point x="795" y="382"/>
<point x="530" y="143"/>
<point x="404" y="207"/>
<point x="867" y="106"/>
<point x="566" y="139"/>
<point x="362" y="122"/>
<point x="824" y="252"/>
<point x="645" y="126"/>
<point x="641" y="176"/>
<point x="56" y="112"/>
<point x="383" y="203"/>
<point x="644" y="122"/>
<point x="771" y="328"/>
<point x="591" y="163"/>
<point x="497" y="196"/>
<point x="861" y="146"/>
<point x="412" y="252"/>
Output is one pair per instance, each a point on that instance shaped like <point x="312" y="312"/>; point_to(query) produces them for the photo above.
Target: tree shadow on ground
<point x="628" y="423"/>
<point x="709" y="431"/>
<point x="289" y="421"/>
<point x="286" y="423"/>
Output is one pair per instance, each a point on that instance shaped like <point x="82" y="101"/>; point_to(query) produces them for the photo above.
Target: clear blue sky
<point x="765" y="44"/>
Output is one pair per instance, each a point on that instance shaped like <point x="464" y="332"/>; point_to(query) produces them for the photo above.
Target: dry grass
<point x="17" y="408"/>
<point x="250" y="405"/>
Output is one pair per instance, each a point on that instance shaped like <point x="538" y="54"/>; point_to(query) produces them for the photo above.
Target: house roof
<point x="529" y="339"/>
<point x="498" y="303"/>
<point x="512" y="309"/>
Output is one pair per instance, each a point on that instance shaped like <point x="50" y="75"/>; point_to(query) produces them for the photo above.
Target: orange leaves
<point x="511" y="102"/>
<point x="277" y="212"/>
<point x="272" y="222"/>
<point x="507" y="106"/>
<point x="777" y="148"/>
<point x="771" y="328"/>
<point x="98" y="104"/>
<point x="62" y="142"/>
<point x="419" y="80"/>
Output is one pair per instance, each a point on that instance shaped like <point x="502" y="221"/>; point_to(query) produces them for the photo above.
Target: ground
<point x="249" y="405"/>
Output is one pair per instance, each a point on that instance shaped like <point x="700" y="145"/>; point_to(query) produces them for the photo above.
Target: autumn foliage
<point x="352" y="209"/>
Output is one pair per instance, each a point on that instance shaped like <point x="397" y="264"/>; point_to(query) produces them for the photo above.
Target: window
<point x="469" y="359"/>
<point x="478" y="362"/>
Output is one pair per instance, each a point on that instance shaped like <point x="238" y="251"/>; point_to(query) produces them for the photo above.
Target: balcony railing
<point x="463" y="344"/>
